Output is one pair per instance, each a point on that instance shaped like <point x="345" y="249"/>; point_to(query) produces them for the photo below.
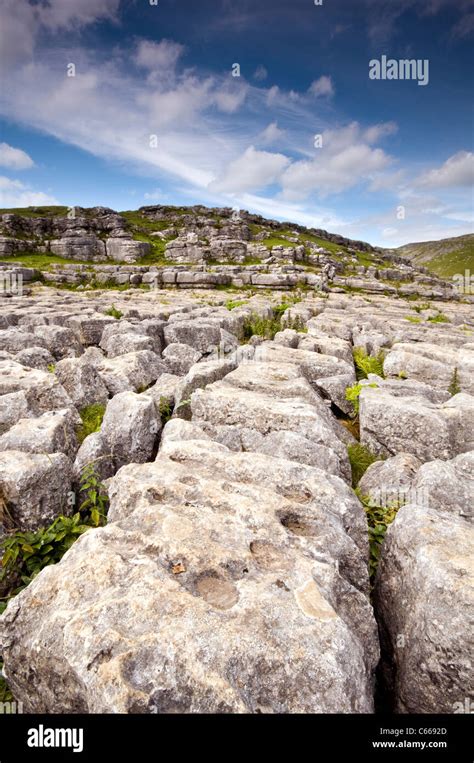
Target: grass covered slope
<point x="446" y="258"/>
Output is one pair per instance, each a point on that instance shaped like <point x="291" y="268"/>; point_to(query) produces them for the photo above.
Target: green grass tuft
<point x="113" y="312"/>
<point x="91" y="416"/>
<point x="440" y="318"/>
<point x="360" y="459"/>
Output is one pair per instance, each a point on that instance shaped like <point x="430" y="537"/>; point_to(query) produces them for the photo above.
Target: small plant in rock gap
<point x="297" y="324"/>
<point x="51" y="368"/>
<point x="27" y="552"/>
<point x="113" y="312"/>
<point x="413" y="318"/>
<point x="353" y="394"/>
<point x="165" y="409"/>
<point x="378" y="519"/>
<point x="254" y="325"/>
<point x="454" y="386"/>
<point x="367" y="364"/>
<point x="95" y="504"/>
<point x="360" y="458"/>
<point x="91" y="416"/>
<point x="422" y="306"/>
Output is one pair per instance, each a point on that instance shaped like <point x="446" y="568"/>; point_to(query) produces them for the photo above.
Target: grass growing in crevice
<point x="454" y="386"/>
<point x="91" y="416"/>
<point x="360" y="458"/>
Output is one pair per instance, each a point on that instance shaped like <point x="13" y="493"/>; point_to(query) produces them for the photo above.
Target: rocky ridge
<point x="196" y="247"/>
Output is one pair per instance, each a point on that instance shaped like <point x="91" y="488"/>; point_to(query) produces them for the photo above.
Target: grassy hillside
<point x="445" y="258"/>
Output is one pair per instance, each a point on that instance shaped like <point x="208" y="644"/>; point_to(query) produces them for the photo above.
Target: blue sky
<point x="396" y="160"/>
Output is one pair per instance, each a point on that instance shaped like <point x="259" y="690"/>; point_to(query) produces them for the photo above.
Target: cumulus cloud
<point x="14" y="193"/>
<point x="322" y="87"/>
<point x="271" y="134"/>
<point x="163" y="55"/>
<point x="457" y="171"/>
<point x="14" y="158"/>
<point x="345" y="159"/>
<point x="251" y="171"/>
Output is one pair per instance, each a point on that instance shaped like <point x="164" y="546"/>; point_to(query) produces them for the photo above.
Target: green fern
<point x="368" y="364"/>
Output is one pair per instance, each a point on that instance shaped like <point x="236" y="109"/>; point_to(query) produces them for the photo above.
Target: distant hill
<point x="445" y="258"/>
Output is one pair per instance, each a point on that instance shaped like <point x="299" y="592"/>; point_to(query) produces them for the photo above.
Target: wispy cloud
<point x="14" y="158"/>
<point x="14" y="193"/>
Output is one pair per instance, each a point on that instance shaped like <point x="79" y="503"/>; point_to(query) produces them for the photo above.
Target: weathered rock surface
<point x="424" y="593"/>
<point x="53" y="432"/>
<point x="390" y="425"/>
<point x="219" y="592"/>
<point x="34" y="487"/>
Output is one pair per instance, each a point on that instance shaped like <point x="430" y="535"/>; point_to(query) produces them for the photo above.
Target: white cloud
<point x="457" y="171"/>
<point x="322" y="87"/>
<point x="229" y="100"/>
<point x="271" y="134"/>
<point x="22" y="22"/>
<point x="14" y="193"/>
<point x="66" y="14"/>
<point x="463" y="217"/>
<point x="17" y="32"/>
<point x="387" y="181"/>
<point x="251" y="171"/>
<point x="378" y="132"/>
<point x="344" y="160"/>
<point x="14" y="158"/>
<point x="163" y="55"/>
